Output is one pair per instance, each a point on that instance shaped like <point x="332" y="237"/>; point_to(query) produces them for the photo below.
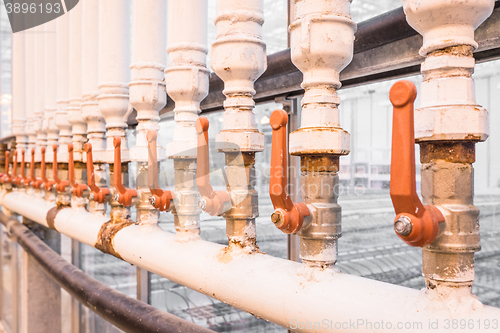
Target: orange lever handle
<point x="76" y="188"/>
<point x="22" y="178"/>
<point x="14" y="169"/>
<point x="7" y="178"/>
<point x="124" y="194"/>
<point x="215" y="200"/>
<point x="160" y="199"/>
<point x="98" y="193"/>
<point x="288" y="216"/>
<point x="47" y="184"/>
<point x="60" y="184"/>
<point x="415" y="224"/>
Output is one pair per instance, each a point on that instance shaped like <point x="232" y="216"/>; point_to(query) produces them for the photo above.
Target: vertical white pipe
<point x="62" y="115"/>
<point x="30" y="85"/>
<point x="39" y="87"/>
<point x="96" y="127"/>
<point x="187" y="84"/>
<point x="147" y="89"/>
<point x="79" y="129"/>
<point x="50" y="85"/>
<point x="114" y="70"/>
<point x="18" y="90"/>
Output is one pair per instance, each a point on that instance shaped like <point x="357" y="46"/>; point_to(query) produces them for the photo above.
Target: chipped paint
<point x="107" y="233"/>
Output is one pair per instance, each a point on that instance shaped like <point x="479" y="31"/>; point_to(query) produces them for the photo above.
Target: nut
<point x="91" y="196"/>
<point x="202" y="204"/>
<point x="403" y="225"/>
<point x="277" y="217"/>
<point x="152" y="201"/>
<point x="117" y="197"/>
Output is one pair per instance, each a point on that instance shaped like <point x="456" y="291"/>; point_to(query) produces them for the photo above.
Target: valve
<point x="288" y="216"/>
<point x="31" y="179"/>
<point x="213" y="202"/>
<point x="124" y="195"/>
<point x="22" y="177"/>
<point x="37" y="182"/>
<point x="77" y="189"/>
<point x="47" y="184"/>
<point x="415" y="224"/>
<point x="98" y="193"/>
<point x="60" y="184"/>
<point x="159" y="199"/>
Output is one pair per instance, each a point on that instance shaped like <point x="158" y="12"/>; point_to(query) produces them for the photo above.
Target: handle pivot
<point x="214" y="200"/>
<point x="98" y="193"/>
<point x="288" y="216"/>
<point x="124" y="194"/>
<point x="415" y="224"/>
<point x="160" y="199"/>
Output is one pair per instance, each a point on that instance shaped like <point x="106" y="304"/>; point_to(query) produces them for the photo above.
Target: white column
<point x="147" y="87"/>
<point x="96" y="127"/>
<point x="19" y="91"/>
<point x="39" y="87"/>
<point x="62" y="115"/>
<point x="79" y="129"/>
<point x="29" y="40"/>
<point x="187" y="84"/>
<point x="50" y="87"/>
<point x="114" y="71"/>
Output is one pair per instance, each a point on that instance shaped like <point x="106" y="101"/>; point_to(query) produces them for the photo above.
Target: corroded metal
<point x="107" y="233"/>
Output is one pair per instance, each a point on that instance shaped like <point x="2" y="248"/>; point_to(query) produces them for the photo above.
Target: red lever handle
<point x="99" y="193"/>
<point x="215" y="200"/>
<point x="77" y="188"/>
<point x="22" y="178"/>
<point x="124" y="194"/>
<point x="60" y="184"/>
<point x="288" y="216"/>
<point x="415" y="224"/>
<point x="160" y="199"/>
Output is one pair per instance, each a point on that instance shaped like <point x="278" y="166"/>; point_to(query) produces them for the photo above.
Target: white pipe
<point x="79" y="129"/>
<point x="30" y="85"/>
<point x="187" y="84"/>
<point x="18" y="90"/>
<point x="62" y="115"/>
<point x="147" y="87"/>
<point x="114" y="71"/>
<point x="284" y="292"/>
<point x="39" y="90"/>
<point x="50" y="86"/>
<point x="96" y="127"/>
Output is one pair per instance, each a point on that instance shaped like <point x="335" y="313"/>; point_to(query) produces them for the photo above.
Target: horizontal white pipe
<point x="281" y="291"/>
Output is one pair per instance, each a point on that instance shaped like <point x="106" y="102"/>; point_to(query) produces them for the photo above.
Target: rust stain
<point x="51" y="215"/>
<point x="247" y="246"/>
<point x="458" y="50"/>
<point x="107" y="233"/>
<point x="449" y="151"/>
<point x="319" y="163"/>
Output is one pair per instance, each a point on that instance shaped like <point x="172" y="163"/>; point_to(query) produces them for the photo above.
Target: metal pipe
<point x="124" y="312"/>
<point x="278" y="290"/>
<point x="448" y="124"/>
<point x="187" y="84"/>
<point x="50" y="85"/>
<point x="39" y="91"/>
<point x="19" y="123"/>
<point x="238" y="58"/>
<point x="30" y="85"/>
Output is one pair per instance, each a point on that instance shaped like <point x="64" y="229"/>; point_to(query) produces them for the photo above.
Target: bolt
<point x="276" y="217"/>
<point x="152" y="201"/>
<point x="91" y="196"/>
<point x="117" y="197"/>
<point x="403" y="225"/>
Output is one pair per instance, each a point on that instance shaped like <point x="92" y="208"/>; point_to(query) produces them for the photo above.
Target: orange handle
<point x="60" y="184"/>
<point x="22" y="177"/>
<point x="288" y="216"/>
<point x="160" y="199"/>
<point x="214" y="200"/>
<point x="14" y="168"/>
<point x="47" y="184"/>
<point x="7" y="178"/>
<point x="98" y="193"/>
<point x="415" y="224"/>
<point x="77" y="189"/>
<point x="124" y="194"/>
<point x="31" y="178"/>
